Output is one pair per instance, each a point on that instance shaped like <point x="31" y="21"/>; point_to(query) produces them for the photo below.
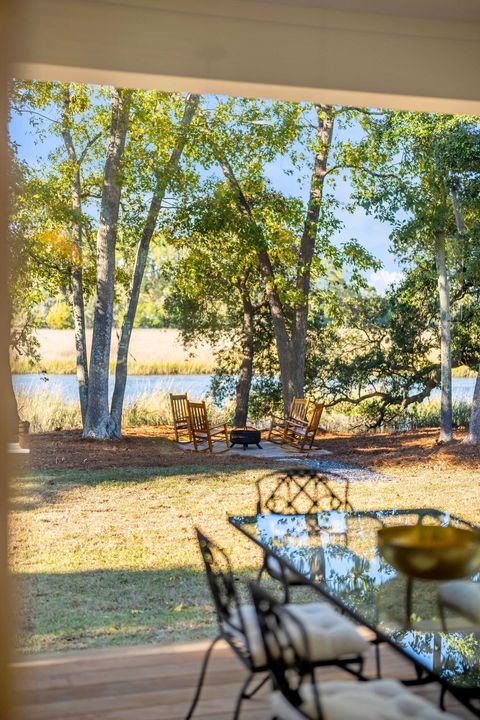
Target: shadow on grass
<point x="34" y="489"/>
<point x="61" y="611"/>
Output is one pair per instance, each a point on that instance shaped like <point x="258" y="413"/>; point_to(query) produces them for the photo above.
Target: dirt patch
<point x="140" y="447"/>
<point x="406" y="450"/>
<point x="153" y="446"/>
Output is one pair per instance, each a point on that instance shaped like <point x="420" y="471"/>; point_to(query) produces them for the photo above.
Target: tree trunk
<point x="76" y="279"/>
<point x="163" y="180"/>
<point x="282" y="339"/>
<point x="325" y="121"/>
<point x="446" y="421"/>
<point x="283" y="343"/>
<point x="291" y="348"/>
<point x="98" y="422"/>
<point x="473" y="436"/>
<point x="246" y="368"/>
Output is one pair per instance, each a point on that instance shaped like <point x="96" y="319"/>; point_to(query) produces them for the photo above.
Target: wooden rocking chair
<point x="181" y="424"/>
<point x="300" y="434"/>
<point x="201" y="431"/>
<point x="298" y="412"/>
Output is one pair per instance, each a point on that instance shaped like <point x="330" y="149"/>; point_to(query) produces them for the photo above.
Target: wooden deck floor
<point x="155" y="683"/>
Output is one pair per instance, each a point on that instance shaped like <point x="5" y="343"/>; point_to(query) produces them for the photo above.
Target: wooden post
<point x="6" y="709"/>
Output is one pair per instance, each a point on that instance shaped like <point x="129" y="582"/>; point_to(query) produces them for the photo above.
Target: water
<point x="462" y="390"/>
<point x="137" y="385"/>
<point x="195" y="385"/>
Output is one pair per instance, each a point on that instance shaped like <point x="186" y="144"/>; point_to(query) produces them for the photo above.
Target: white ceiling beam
<point x="262" y="49"/>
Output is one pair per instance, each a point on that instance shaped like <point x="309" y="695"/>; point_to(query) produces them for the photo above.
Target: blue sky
<point x="371" y="233"/>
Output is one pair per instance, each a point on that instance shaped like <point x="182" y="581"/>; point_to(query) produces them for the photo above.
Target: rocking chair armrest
<point x="220" y="425"/>
<point x="297" y="422"/>
<point x="278" y="418"/>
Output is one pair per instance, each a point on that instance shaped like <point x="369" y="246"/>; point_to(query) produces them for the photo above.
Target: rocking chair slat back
<point x="198" y="416"/>
<point x="204" y="435"/>
<point x="181" y="424"/>
<point x="315" y="417"/>
<point x="298" y="409"/>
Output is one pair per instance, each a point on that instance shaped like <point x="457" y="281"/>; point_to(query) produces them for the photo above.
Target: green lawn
<point x="109" y="557"/>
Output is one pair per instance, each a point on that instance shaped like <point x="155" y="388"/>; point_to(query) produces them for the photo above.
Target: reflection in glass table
<point x="337" y="553"/>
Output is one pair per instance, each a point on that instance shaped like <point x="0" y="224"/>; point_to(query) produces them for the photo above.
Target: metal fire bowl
<point x="430" y="552"/>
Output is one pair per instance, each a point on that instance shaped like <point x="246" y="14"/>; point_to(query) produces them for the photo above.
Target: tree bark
<point x="163" y="179"/>
<point x="473" y="435"/>
<point x="98" y="421"/>
<point x="282" y="339"/>
<point x="325" y="122"/>
<point x="291" y="347"/>
<point x="245" y="374"/>
<point x="76" y="279"/>
<point x="446" y="421"/>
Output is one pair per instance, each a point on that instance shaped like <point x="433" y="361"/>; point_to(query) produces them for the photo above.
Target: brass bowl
<point x="430" y="552"/>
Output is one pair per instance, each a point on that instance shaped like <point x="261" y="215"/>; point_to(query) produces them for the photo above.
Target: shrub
<point x="59" y="316"/>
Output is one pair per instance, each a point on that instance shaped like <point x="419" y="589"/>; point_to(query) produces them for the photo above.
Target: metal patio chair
<point x="238" y="626"/>
<point x="232" y="620"/>
<point x="298" y="695"/>
<point x="297" y="491"/>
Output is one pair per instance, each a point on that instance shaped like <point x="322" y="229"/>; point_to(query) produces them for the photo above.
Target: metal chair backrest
<point x="298" y="409"/>
<point x="299" y="491"/>
<point x="179" y="404"/>
<point x="222" y="585"/>
<point x="287" y="658"/>
<point x="198" y="416"/>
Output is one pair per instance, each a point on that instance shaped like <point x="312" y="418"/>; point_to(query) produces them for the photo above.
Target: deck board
<point x="157" y="683"/>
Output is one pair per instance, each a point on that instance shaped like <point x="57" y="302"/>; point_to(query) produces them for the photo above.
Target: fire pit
<point x="245" y="436"/>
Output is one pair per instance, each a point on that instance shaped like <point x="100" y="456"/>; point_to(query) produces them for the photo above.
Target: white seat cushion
<point x="464" y="596"/>
<point x="374" y="700"/>
<point x="330" y="635"/>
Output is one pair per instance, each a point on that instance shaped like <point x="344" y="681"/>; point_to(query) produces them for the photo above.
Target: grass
<point x="152" y="352"/>
<point x="463" y="372"/>
<point x="47" y="410"/>
<point x="20" y="366"/>
<point x="109" y="557"/>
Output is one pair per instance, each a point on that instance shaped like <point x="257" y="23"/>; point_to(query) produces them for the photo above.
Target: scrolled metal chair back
<point x="222" y="585"/>
<point x="299" y="491"/>
<point x="287" y="659"/>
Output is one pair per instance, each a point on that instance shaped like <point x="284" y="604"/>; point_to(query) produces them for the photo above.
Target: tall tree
<point x="163" y="178"/>
<point x="288" y="250"/>
<point x="401" y="177"/>
<point x="217" y="289"/>
<point x="98" y="422"/>
<point x="113" y="154"/>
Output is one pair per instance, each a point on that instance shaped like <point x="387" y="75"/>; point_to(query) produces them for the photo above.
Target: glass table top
<point x="337" y="553"/>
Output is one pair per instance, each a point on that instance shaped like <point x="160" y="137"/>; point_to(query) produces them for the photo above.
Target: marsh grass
<point x="422" y="415"/>
<point x="20" y="366"/>
<point x="47" y="410"/>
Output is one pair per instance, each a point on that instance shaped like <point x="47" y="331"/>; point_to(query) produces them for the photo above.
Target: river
<point x="195" y="385"/>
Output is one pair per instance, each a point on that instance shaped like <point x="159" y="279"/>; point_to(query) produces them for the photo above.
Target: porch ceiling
<point x="413" y="54"/>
